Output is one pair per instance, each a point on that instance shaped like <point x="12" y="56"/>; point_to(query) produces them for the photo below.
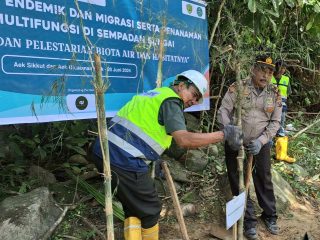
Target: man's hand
<point x="254" y="147"/>
<point x="233" y="135"/>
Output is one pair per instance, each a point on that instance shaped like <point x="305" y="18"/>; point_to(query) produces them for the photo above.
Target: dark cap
<point x="265" y="60"/>
<point x="280" y="63"/>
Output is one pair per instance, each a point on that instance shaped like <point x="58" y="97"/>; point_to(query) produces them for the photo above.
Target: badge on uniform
<point x="269" y="106"/>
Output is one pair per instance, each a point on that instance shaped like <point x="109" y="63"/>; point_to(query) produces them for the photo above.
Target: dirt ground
<point x="303" y="217"/>
<point x="293" y="225"/>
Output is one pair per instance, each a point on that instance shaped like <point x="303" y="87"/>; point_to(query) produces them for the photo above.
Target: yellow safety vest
<point x="282" y="85"/>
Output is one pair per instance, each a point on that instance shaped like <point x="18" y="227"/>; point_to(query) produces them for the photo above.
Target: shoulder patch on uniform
<point x="232" y="88"/>
<point x="276" y="91"/>
<point x="274" y="88"/>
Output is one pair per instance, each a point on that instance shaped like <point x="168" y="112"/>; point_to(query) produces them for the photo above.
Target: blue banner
<point x="46" y="50"/>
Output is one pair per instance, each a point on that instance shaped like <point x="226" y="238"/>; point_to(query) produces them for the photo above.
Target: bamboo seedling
<point x="240" y="157"/>
<point x="99" y="88"/>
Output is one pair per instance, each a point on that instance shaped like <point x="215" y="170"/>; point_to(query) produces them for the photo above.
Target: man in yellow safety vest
<point x="139" y="133"/>
<point x="283" y="83"/>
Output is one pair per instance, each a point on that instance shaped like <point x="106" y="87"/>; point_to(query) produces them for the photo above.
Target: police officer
<point x="283" y="83"/>
<point x="140" y="133"/>
<point x="261" y="114"/>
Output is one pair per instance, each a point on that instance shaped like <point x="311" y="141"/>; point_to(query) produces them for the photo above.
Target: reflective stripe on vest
<point x="143" y="112"/>
<point x="133" y="128"/>
<point x="282" y="85"/>
<point x="126" y="146"/>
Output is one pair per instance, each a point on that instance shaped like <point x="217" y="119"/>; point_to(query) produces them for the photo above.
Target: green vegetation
<point x="288" y="29"/>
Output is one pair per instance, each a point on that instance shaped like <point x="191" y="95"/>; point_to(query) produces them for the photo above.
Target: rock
<point x="177" y="171"/>
<point x="28" y="216"/>
<point x="188" y="209"/>
<point x="196" y="161"/>
<point x="78" y="158"/>
<point x="282" y="191"/>
<point x="212" y="150"/>
<point x="44" y="176"/>
<point x="91" y="166"/>
<point x="193" y="123"/>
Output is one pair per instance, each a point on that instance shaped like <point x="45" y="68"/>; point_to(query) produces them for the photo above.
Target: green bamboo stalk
<point x="99" y="89"/>
<point x="159" y="76"/>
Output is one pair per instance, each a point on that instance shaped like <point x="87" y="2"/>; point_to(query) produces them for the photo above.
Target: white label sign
<point x="235" y="209"/>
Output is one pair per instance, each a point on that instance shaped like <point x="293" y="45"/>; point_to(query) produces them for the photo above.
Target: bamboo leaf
<point x="274" y="25"/>
<point x="290" y="3"/>
<point x="252" y="6"/>
<point x="317" y="8"/>
<point x="310" y="24"/>
<point x="117" y="208"/>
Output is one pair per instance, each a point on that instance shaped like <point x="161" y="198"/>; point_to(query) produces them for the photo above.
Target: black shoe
<point x="251" y="233"/>
<point x="271" y="225"/>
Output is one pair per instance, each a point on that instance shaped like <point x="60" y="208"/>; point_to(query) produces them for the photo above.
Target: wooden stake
<point x="176" y="202"/>
<point x="248" y="176"/>
<point x="234" y="231"/>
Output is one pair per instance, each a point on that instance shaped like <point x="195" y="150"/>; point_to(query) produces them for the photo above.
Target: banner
<point x="46" y="52"/>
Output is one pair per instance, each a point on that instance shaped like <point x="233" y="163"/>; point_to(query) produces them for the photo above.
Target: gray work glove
<point x="254" y="147"/>
<point x="233" y="135"/>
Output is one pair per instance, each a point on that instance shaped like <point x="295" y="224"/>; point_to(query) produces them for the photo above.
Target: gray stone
<point x="28" y="216"/>
<point x="44" y="176"/>
<point x="177" y="171"/>
<point x="193" y="123"/>
<point x="282" y="190"/>
<point x="212" y="150"/>
<point x="78" y="158"/>
<point x="175" y="151"/>
<point x="196" y="160"/>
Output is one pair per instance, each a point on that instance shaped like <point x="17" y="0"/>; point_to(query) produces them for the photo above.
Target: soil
<point x="210" y="206"/>
<point x="300" y="219"/>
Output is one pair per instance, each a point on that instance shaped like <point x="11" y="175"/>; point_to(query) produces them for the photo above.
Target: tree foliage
<point x="288" y="29"/>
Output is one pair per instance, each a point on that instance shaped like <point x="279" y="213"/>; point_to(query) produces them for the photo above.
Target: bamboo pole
<point x="99" y="88"/>
<point x="217" y="22"/>
<point x="240" y="156"/>
<point x="234" y="231"/>
<point x="159" y="76"/>
<point x="176" y="202"/>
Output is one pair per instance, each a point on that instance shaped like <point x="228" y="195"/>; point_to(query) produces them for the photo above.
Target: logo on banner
<point x="193" y="10"/>
<point x="189" y="8"/>
<point x="96" y="2"/>
<point x="81" y="103"/>
<point x="199" y="12"/>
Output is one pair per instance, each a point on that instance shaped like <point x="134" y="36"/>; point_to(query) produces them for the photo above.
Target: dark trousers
<point x="261" y="174"/>
<point x="136" y="192"/>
